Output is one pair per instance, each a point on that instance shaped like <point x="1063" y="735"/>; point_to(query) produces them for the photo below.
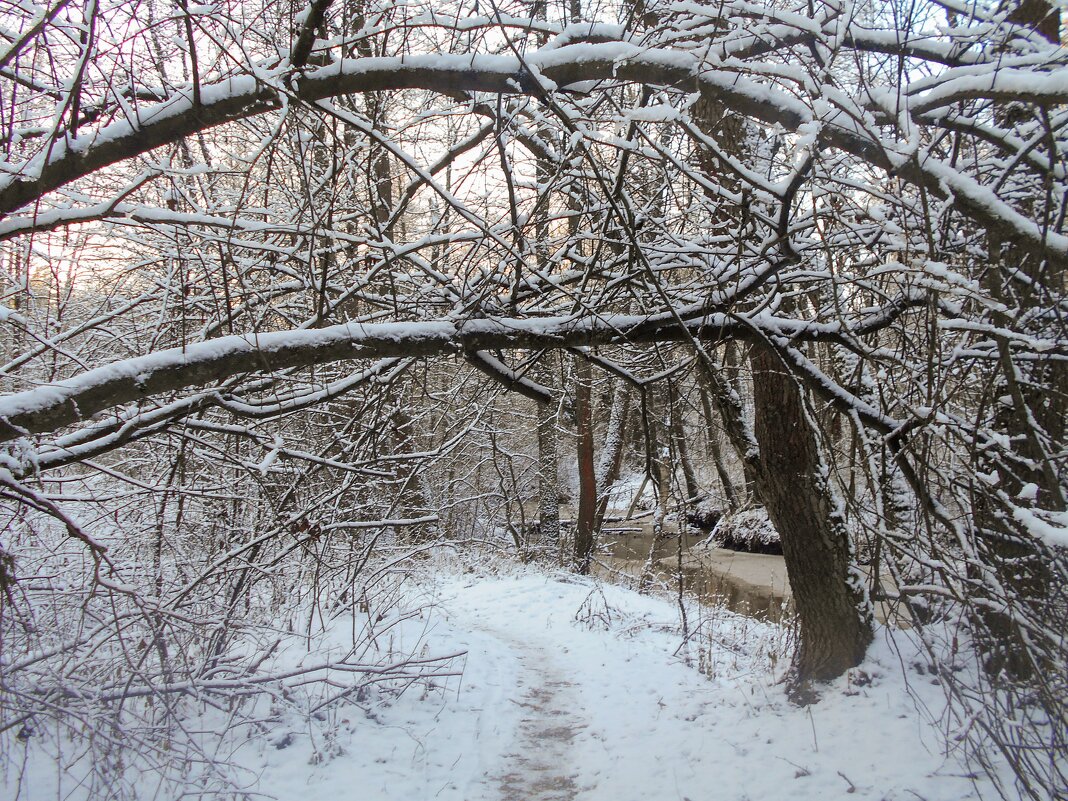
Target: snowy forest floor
<point x="576" y="689"/>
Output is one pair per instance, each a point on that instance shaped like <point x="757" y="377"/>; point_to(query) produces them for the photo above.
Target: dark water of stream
<point x="750" y="584"/>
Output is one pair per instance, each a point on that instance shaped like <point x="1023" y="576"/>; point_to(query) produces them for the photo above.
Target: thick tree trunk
<point x="832" y="604"/>
<point x="587" y="501"/>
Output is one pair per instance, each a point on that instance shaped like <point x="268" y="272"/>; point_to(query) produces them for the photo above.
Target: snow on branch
<point x="52" y="406"/>
<point x="540" y="74"/>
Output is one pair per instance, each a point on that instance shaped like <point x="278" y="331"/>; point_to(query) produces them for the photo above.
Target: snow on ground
<point x="573" y="690"/>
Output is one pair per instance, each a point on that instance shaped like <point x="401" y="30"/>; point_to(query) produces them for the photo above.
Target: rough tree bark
<point x="832" y="605"/>
<point x="785" y="467"/>
<point x="585" y="520"/>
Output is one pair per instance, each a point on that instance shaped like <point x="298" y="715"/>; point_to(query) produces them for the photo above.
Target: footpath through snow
<point x="576" y="690"/>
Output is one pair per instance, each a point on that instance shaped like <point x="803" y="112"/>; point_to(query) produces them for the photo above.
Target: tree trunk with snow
<point x="611" y="461"/>
<point x="656" y="438"/>
<point x="832" y="605"/>
<point x="739" y="432"/>
<point x="716" y="453"/>
<point x="1014" y="576"/>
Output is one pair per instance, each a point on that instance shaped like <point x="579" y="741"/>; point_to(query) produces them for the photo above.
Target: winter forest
<point x="373" y="376"/>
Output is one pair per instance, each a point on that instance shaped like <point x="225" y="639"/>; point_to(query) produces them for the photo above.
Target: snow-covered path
<point x="539" y="764"/>
<point x="578" y="692"/>
<point x="600" y="705"/>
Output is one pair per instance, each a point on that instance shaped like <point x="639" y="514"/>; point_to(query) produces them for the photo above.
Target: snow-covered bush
<point x="746" y="530"/>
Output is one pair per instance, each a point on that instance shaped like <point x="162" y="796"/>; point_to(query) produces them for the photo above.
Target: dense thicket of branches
<point x="268" y="273"/>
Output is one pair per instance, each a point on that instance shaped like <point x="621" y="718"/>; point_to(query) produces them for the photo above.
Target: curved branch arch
<point x="537" y="75"/>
